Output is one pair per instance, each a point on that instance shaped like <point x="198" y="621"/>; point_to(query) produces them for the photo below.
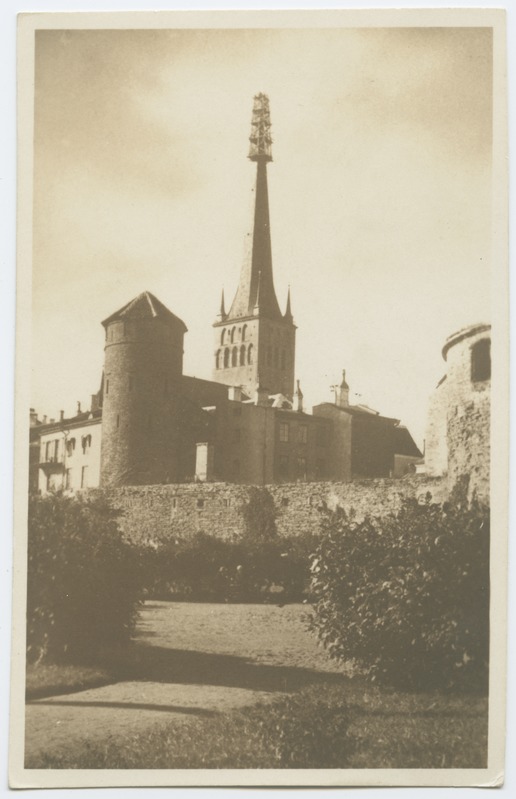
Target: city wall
<point x="155" y="513"/>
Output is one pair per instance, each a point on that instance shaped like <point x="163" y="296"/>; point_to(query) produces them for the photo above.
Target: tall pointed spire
<point x="260" y="258"/>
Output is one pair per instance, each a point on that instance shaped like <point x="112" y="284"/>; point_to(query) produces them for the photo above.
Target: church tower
<point x="254" y="340"/>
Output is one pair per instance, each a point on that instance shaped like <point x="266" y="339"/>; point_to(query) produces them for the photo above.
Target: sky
<point x="380" y="197"/>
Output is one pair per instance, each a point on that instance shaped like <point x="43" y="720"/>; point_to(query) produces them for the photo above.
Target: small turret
<point x="342" y="392"/>
<point x="297" y="404"/>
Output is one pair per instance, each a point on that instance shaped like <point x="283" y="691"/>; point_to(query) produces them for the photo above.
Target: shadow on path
<point x="192" y="711"/>
<point x="160" y="664"/>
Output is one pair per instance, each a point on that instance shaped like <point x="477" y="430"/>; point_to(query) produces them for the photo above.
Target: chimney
<point x="342" y="392"/>
<point x="33" y="417"/>
<point x="78" y="407"/>
<point x="45" y="419"/>
<point x="297" y="403"/>
<point x="61" y="416"/>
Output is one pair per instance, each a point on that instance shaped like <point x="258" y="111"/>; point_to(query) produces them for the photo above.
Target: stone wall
<point x="159" y="512"/>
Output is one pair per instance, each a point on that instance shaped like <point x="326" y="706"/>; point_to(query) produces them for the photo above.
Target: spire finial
<point x="222" y="312"/>
<point x="260" y="138"/>
<point x="288" y="311"/>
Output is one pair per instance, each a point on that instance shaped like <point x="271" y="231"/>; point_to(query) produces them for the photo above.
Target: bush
<point x="206" y="568"/>
<point x="259" y="515"/>
<point x="84" y="582"/>
<point x="406" y="597"/>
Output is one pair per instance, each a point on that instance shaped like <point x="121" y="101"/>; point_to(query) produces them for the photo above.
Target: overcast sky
<point x="380" y="195"/>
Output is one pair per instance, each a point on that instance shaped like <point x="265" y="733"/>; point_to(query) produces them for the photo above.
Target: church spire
<point x="288" y="310"/>
<point x="256" y="272"/>
<point x="222" y="313"/>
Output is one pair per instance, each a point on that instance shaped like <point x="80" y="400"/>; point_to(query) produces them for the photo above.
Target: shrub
<point x="206" y="568"/>
<point x="406" y="597"/>
<point x="259" y="515"/>
<point x="83" y="581"/>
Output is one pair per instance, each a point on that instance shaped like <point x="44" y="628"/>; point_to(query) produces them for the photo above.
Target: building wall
<point x="143" y="367"/>
<point x="74" y="454"/>
<point x="160" y="512"/>
<point x="458" y="432"/>
<point x="339" y="450"/>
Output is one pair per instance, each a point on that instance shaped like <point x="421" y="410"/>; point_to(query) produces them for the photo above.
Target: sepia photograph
<point x="262" y="334"/>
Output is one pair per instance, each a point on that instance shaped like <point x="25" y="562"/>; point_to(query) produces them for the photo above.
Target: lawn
<point x="320" y="716"/>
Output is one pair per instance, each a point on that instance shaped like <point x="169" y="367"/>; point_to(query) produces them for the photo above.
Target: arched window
<point x="223" y="336"/>
<point x="250" y="354"/>
<point x="242" y="355"/>
<point x="481" y="360"/>
<point x="233" y="334"/>
<point x="217" y="360"/>
<point x="226" y="358"/>
<point x="234" y="357"/>
<point x="244" y="331"/>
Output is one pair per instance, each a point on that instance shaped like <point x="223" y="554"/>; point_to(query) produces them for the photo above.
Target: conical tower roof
<point x="145" y="305"/>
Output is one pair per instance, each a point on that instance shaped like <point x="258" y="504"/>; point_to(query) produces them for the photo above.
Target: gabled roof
<point x="404" y="444"/>
<point x="146" y="305"/>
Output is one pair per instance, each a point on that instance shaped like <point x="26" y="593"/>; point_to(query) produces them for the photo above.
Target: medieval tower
<point x="254" y="341"/>
<point x="143" y="365"/>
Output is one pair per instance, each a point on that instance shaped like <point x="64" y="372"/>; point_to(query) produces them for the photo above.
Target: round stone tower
<point x="458" y="431"/>
<point x="143" y="367"/>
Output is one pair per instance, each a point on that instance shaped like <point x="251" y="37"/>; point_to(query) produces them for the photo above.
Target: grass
<point x="51" y="679"/>
<point x="352" y="725"/>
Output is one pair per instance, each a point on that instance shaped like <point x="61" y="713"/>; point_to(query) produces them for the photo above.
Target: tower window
<point x="223" y="336"/>
<point x="244" y="331"/>
<point x="234" y="357"/>
<point x="242" y="355"/>
<point x="250" y="354"/>
<point x="117" y="421"/>
<point x="284" y="432"/>
<point x="481" y="361"/>
<point x="226" y="358"/>
<point x="217" y="360"/>
<point x="233" y="334"/>
<point x="107" y="387"/>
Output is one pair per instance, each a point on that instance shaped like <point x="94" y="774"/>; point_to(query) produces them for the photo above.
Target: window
<point x="48" y="450"/>
<point x="302" y="433"/>
<point x="226" y="358"/>
<point x="283" y="432"/>
<point x="174" y="502"/>
<point x="244" y="331"/>
<point x="200" y="503"/>
<point x="84" y="477"/>
<point x="481" y="361"/>
<point x="233" y="335"/>
<point x="234" y="357"/>
<point x="283" y="465"/>
<point x="222" y="337"/>
<point x="217" y="360"/>
<point x="68" y="478"/>
<point x="250" y="354"/>
<point x="284" y="501"/>
<point x="226" y="502"/>
<point x="70" y="446"/>
<point x="107" y="387"/>
<point x="56" y="450"/>
<point x="86" y="442"/>
<point x="117" y="421"/>
<point x="242" y="355"/>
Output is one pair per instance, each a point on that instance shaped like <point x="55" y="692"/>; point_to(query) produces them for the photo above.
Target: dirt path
<point x="190" y="660"/>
